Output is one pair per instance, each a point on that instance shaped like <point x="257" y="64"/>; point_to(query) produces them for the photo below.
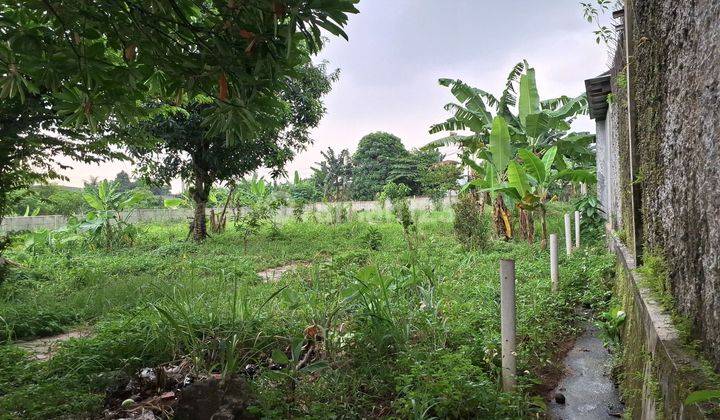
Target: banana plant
<point x="530" y="179"/>
<point x="491" y="173"/>
<point x="538" y="128"/>
<point x="106" y="221"/>
<point x="537" y="125"/>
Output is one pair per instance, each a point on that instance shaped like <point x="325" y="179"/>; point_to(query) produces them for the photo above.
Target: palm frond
<point x="509" y="96"/>
<point x="472" y="142"/>
<point x="467" y="95"/>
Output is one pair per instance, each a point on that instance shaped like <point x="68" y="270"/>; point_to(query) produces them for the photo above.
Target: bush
<point x="398" y="196"/>
<point x="339" y="212"/>
<point x="593" y="220"/>
<point x="373" y="238"/>
<point x="472" y="227"/>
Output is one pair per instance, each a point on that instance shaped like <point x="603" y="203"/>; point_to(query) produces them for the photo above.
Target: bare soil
<point x="44" y="348"/>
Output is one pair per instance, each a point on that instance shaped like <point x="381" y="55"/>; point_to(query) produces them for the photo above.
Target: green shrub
<point x="373" y="238"/>
<point x="593" y="221"/>
<point x="472" y="227"/>
<point x="445" y="384"/>
<point x="339" y="212"/>
<point x="398" y="196"/>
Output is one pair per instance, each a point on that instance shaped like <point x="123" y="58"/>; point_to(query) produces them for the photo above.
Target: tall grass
<point x="409" y="323"/>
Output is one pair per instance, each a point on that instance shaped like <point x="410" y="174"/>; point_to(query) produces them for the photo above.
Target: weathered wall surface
<point x="656" y="373"/>
<point x="676" y="74"/>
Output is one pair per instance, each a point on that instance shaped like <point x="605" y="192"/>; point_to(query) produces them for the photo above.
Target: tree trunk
<point x="199" y="225"/>
<point x="527" y="225"/>
<point x="543" y="223"/>
<point x="502" y="218"/>
<point x="200" y="192"/>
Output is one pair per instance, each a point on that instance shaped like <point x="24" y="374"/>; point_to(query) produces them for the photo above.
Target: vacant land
<point x="357" y="320"/>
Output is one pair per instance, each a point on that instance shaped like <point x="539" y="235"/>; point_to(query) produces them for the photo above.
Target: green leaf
<point x="571" y="108"/>
<point x="472" y="98"/>
<point x="491" y="177"/>
<point x="131" y="201"/>
<point x="702" y="396"/>
<point x="173" y="203"/>
<point x="529" y="101"/>
<point x="517" y="178"/>
<point x="314" y="367"/>
<point x="504" y="189"/>
<point x="103" y="189"/>
<point x="500" y="144"/>
<point x="452" y="124"/>
<point x="94" y="201"/>
<point x="534" y="165"/>
<point x="280" y="357"/>
<point x="536" y="124"/>
<point x="577" y="175"/>
<point x="473" y="120"/>
<point x="548" y="158"/>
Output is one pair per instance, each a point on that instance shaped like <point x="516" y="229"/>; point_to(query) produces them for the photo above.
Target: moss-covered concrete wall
<point x="620" y="122"/>
<point x="676" y="75"/>
<point x="657" y="369"/>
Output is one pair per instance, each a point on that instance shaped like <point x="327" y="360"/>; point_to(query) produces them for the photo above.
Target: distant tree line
<point x="381" y="158"/>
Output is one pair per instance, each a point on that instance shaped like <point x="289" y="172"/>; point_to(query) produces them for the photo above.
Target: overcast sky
<point x="399" y="48"/>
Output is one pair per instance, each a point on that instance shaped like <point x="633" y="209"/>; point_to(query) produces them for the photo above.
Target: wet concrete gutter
<point x="587" y="386"/>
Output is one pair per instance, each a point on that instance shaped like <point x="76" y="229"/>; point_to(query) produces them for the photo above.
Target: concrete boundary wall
<point x="30" y="223"/>
<point x="657" y="371"/>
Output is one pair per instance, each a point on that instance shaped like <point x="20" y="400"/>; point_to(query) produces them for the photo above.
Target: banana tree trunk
<point x="527" y="225"/>
<point x="543" y="223"/>
<point x="502" y="219"/>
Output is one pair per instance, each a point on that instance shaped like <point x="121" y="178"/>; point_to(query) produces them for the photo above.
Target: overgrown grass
<point x="409" y="331"/>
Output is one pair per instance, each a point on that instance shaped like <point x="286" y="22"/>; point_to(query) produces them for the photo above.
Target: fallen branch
<point x="4" y="261"/>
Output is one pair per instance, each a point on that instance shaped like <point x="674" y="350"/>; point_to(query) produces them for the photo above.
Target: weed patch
<point x="375" y="325"/>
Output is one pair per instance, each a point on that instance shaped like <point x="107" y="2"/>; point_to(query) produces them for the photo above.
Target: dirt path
<point x="43" y="348"/>
<point x="588" y="389"/>
<point x="276" y="273"/>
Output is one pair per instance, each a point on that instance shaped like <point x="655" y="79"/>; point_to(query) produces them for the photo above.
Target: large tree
<point x="95" y="63"/>
<point x="412" y="169"/>
<point x="181" y="146"/>
<point x="373" y="161"/>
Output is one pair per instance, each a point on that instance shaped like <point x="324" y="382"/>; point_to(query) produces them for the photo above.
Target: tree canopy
<point x="372" y="163"/>
<point x="95" y="60"/>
